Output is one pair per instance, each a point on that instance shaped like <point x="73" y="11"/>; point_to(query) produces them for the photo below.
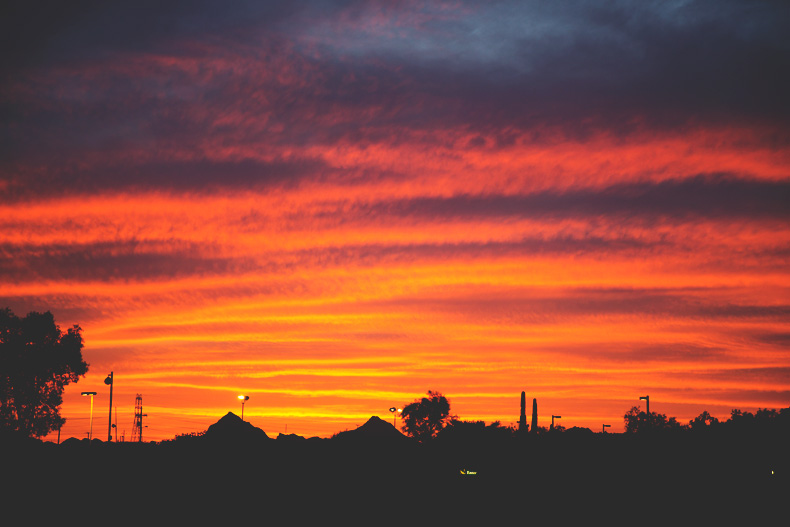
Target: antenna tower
<point x="137" y="431"/>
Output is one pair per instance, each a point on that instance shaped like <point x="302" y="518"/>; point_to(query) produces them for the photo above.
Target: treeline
<point x="429" y="418"/>
<point x="764" y="420"/>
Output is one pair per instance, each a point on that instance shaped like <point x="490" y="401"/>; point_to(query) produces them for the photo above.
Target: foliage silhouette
<point x="37" y="361"/>
<point x="703" y="421"/>
<point x="637" y="421"/>
<point x="424" y="419"/>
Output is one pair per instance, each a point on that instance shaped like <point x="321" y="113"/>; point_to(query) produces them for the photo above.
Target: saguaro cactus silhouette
<point x="522" y="420"/>
<point x="534" y="416"/>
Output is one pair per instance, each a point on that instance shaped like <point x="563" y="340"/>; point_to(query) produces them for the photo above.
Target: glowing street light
<point x="646" y="398"/>
<point x="244" y="399"/>
<point x="90" y="394"/>
<point x="395" y="413"/>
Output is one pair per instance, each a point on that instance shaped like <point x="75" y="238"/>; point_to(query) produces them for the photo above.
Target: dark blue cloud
<point x="112" y="261"/>
<point x="502" y="70"/>
<point x="716" y="196"/>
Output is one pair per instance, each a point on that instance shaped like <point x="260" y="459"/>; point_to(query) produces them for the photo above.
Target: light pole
<point x="90" y="394"/>
<point x="552" y="420"/>
<point x="603" y="431"/>
<point x="244" y="399"/>
<point x="395" y="412"/>
<point x="109" y="382"/>
<point x="646" y="399"/>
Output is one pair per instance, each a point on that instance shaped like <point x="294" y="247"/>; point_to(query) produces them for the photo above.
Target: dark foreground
<point x="620" y="479"/>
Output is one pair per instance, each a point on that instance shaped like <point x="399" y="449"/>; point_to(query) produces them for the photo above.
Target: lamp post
<point x="552" y="420"/>
<point x="244" y="399"/>
<point x="603" y="431"/>
<point x="90" y="394"/>
<point x="395" y="412"/>
<point x="646" y="399"/>
<point x="109" y="382"/>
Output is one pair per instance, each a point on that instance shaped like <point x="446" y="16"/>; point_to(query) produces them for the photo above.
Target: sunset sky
<point x="333" y="207"/>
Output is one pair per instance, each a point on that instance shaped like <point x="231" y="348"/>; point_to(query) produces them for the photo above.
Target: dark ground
<point x="618" y="478"/>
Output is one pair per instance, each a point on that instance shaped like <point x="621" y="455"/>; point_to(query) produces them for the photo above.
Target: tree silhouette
<point x="703" y="421"/>
<point x="424" y="418"/>
<point x="37" y="361"/>
<point x="638" y="421"/>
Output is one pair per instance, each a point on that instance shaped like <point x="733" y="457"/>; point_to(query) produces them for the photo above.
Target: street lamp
<point x="395" y="412"/>
<point x="90" y="394"/>
<point x="108" y="381"/>
<point x="244" y="399"/>
<point x="603" y="431"/>
<point x="552" y="420"/>
<point x="646" y="399"/>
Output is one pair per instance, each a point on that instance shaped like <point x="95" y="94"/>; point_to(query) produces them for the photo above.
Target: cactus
<point x="522" y="420"/>
<point x="534" y="427"/>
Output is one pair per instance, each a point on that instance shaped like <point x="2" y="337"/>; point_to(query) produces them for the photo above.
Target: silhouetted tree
<point x="638" y="421"/>
<point x="424" y="418"/>
<point x="703" y="421"/>
<point x="737" y="415"/>
<point x="37" y="361"/>
<point x="765" y="420"/>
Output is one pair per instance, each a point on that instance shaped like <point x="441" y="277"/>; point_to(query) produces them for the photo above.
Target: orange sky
<point x="309" y="212"/>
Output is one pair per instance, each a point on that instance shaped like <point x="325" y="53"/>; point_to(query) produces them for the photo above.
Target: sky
<point x="336" y="206"/>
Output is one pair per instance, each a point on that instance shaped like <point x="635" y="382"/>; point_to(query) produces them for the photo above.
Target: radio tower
<point x="137" y="431"/>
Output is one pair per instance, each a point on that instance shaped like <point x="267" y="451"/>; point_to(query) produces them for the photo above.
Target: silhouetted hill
<point x="375" y="429"/>
<point x="232" y="428"/>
